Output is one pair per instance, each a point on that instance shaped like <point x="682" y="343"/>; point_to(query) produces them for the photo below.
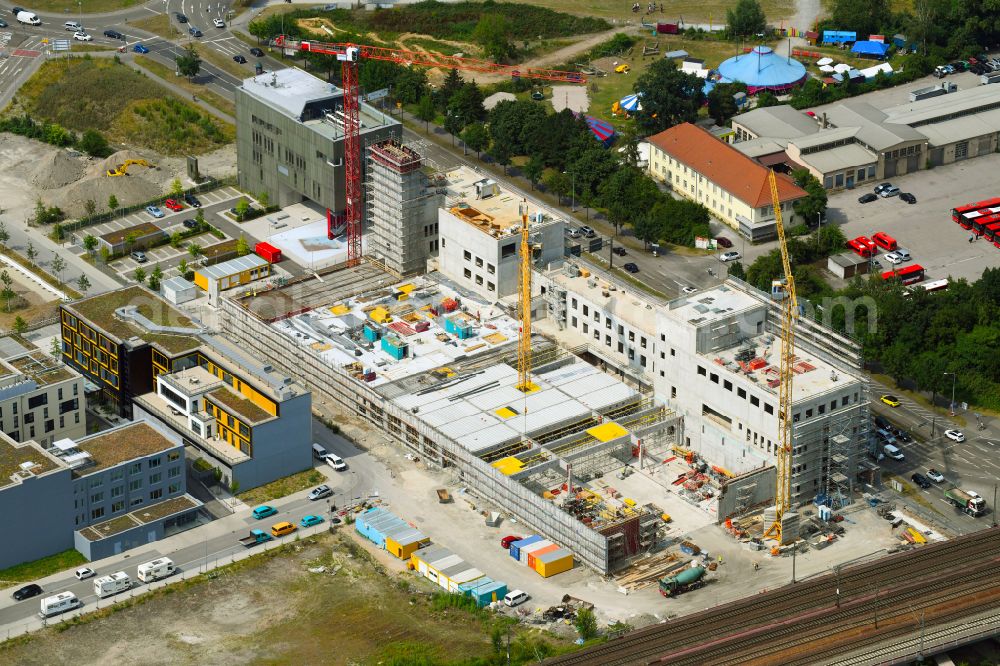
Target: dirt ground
<point x="271" y="609"/>
<point x="31" y="303"/>
<point x="68" y="179"/>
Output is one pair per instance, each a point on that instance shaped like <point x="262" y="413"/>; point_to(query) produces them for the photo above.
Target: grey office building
<point x="290" y="137"/>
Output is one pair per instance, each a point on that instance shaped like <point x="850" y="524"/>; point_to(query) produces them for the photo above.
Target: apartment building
<point x="41" y="399"/>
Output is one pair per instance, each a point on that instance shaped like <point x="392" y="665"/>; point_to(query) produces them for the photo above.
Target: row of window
<point x="468" y="256"/>
<point x="119" y="506"/>
<point x="741" y="392"/>
<point x="490" y="286"/>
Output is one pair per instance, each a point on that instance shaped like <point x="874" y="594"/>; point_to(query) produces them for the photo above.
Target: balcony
<point x="181" y="424"/>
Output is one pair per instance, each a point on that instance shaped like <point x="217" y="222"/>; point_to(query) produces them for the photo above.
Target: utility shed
<point x="847" y="264"/>
<point x="484" y="590"/>
<point x="177" y="290"/>
<point x="438" y="564"/>
<point x="388" y="531"/>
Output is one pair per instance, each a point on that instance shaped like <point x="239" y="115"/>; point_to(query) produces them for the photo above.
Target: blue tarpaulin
<point x="872" y="49"/>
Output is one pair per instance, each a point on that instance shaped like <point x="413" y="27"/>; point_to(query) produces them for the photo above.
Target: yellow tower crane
<point x="789" y="313"/>
<point x="524" y="305"/>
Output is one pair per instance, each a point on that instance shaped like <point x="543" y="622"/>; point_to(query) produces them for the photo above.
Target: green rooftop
<point x="109" y="528"/>
<point x="42" y="368"/>
<point x="12" y="456"/>
<point x="240" y="406"/>
<point x="118" y="445"/>
<point x="163" y="509"/>
<point x="100" y="312"/>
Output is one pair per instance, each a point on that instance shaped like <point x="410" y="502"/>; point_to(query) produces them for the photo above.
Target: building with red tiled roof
<point x="732" y="186"/>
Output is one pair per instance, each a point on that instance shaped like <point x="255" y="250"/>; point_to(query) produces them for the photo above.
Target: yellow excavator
<point x="122" y="169"/>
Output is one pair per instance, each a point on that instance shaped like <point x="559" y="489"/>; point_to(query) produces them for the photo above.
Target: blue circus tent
<point x="763" y="69"/>
<point x="870" y="49"/>
<point x="631" y="102"/>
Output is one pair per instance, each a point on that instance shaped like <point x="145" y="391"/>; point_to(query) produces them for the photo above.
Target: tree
<point x="646" y="229"/>
<point x="264" y="199"/>
<point x="20" y="326"/>
<point x="812" y="207"/>
<point x="242" y="208"/>
<point x="58" y="265"/>
<point x="501" y="153"/>
<point x="721" y="104"/>
<point x="452" y="83"/>
<point x="467" y="104"/>
<point x="669" y="97"/>
<point x="492" y="33"/>
<point x="182" y="266"/>
<point x="83" y="284"/>
<point x="112" y="203"/>
<point x="58" y="233"/>
<point x="154" y="277"/>
<point x="140" y="275"/>
<point x="93" y="143"/>
<point x="176" y="188"/>
<point x="767" y="98"/>
<point x="39" y="216"/>
<point x="411" y="85"/>
<point x="6" y="280"/>
<point x="194" y="250"/>
<point x="242" y="247"/>
<point x="105" y="254"/>
<point x="557" y="182"/>
<point x="866" y="17"/>
<point x="476" y="137"/>
<point x="4" y="234"/>
<point x="188" y="63"/>
<point x="55" y="347"/>
<point x="533" y="169"/>
<point x="453" y="125"/>
<point x="200" y="218"/>
<point x="586" y="624"/>
<point x="90" y="207"/>
<point x="130" y="239"/>
<point x="746" y="18"/>
<point x="426" y="111"/>
<point x="176" y="239"/>
<point x="736" y="270"/>
<point x="627" y="192"/>
<point x="90" y="243"/>
<point x="31" y="253"/>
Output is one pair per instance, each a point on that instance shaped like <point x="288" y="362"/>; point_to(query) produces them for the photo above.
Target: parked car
<point x="623" y="68"/>
<point x="173" y="205"/>
<point x="336" y="462"/>
<point x="893" y="258"/>
<point x="723" y="242"/>
<point x="81" y="36"/>
<point x="192" y="200"/>
<point x="240" y="59"/>
<point x="114" y="34"/>
<point x="139" y="256"/>
<point x="84" y="573"/>
<point x="688" y="290"/>
<point x="890" y="400"/>
<point x="26" y="592"/>
<point x="631" y="268"/>
<point x="587" y="232"/>
<point x="920" y="480"/>
<point x="935" y="476"/>
<point x="509" y="539"/>
<point x="907" y="197"/>
<point x="570" y="232"/>
<point x="263" y="511"/>
<point x="902" y="435"/>
<point x="882" y="186"/>
<point x="732" y="255"/>
<point x="319" y="492"/>
<point x="17" y="10"/>
<point x="889" y="192"/>
<point x="190" y="224"/>
<point x="867" y="198"/>
<point x="155" y="211"/>
<point x="881" y="423"/>
<point x="955" y="435"/>
<point x="218" y="23"/>
<point x="256" y="52"/>
<point x="194" y="32"/>
<point x="139" y="48"/>
<point x="310" y="521"/>
<point x="3" y="24"/>
<point x="181" y="18"/>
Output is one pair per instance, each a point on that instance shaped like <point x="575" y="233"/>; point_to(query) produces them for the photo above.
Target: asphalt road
<point x="220" y="535"/>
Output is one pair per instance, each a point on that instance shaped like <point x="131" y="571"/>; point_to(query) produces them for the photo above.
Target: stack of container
<point x="390" y="532"/>
<point x="541" y="555"/>
<point x="516" y="546"/>
<point x="553" y="562"/>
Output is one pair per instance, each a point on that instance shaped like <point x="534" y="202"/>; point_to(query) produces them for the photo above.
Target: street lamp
<point x="951" y="407"/>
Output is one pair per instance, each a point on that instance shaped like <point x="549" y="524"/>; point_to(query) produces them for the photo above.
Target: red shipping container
<point x="268" y="252"/>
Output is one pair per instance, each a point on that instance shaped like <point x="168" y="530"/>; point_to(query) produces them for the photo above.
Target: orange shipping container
<point x="533" y="556"/>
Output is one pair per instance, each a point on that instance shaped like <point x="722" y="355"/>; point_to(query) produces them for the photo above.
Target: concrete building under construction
<point x="402" y="204"/>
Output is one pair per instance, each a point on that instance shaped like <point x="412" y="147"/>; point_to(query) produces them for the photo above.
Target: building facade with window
<point x="480" y="236"/>
<point x="733" y="187"/>
<point x="41" y="399"/>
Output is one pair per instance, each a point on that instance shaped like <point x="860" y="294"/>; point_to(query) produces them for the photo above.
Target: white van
<point x="60" y="603"/>
<point x="319" y="453"/>
<point x="117" y="582"/>
<point x="155" y="570"/>
<point x="29" y="18"/>
<point x="892" y="452"/>
<point x="515" y="598"/>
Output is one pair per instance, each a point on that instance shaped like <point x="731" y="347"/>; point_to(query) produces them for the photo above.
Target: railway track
<point x="759" y="615"/>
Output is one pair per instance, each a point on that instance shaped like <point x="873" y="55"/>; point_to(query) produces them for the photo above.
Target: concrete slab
<point x="574" y="98"/>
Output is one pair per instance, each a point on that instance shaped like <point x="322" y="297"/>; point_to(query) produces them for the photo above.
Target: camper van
<point x="117" y="582"/>
<point x="60" y="603"/>
<point x="155" y="570"/>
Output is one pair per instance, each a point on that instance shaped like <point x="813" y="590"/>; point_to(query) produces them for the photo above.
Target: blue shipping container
<point x="484" y="590"/>
<point x="516" y="546"/>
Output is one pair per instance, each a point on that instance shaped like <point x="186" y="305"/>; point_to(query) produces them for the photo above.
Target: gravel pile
<point x="58" y="169"/>
<point x="127" y="189"/>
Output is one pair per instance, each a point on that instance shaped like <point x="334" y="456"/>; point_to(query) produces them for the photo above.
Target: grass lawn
<point x="713" y="11"/>
<point x="158" y="24"/>
<point x="72" y="9"/>
<point x="283" y="487"/>
<point x="29" y="571"/>
<point x="164" y="72"/>
<point x="77" y="47"/>
<point x="123" y="104"/>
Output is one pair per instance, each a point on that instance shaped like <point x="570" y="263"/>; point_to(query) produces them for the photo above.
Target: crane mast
<point x="524" y="305"/>
<point x="789" y="313"/>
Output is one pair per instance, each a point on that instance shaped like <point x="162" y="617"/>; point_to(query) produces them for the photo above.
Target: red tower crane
<point x="349" y="55"/>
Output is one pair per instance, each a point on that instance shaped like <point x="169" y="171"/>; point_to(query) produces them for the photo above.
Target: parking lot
<point x="925" y="228"/>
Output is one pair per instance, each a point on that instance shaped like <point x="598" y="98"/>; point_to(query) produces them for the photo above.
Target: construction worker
<point x="756" y="566"/>
<point x="720" y="559"/>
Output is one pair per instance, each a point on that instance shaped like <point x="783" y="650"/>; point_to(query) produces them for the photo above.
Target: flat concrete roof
<point x="959" y="102"/>
<point x="233" y="266"/>
<point x="631" y="307"/>
<point x="498" y="214"/>
<point x="711" y="304"/>
<point x="290" y="89"/>
<point x="777" y="122"/>
<point x="849" y="156"/>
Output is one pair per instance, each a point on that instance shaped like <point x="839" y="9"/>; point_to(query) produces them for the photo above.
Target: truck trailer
<point x="966" y="500"/>
<point x="932" y="91"/>
<point x="256" y="536"/>
<point x="117" y="582"/>
<point x="690" y="579"/>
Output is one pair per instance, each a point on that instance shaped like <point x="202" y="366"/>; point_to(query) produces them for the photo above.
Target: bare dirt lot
<point x="30" y="303"/>
<point x="271" y="609"/>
